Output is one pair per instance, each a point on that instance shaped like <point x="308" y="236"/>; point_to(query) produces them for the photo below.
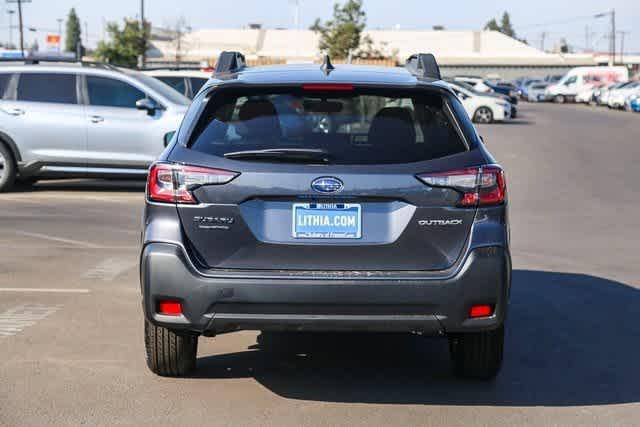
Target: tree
<point x="505" y="26"/>
<point x="342" y="34"/>
<point x="492" y="25"/>
<point x="124" y="46"/>
<point x="73" y="31"/>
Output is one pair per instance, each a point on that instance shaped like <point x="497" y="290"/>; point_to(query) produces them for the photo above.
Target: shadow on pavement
<point x="572" y="340"/>
<point x="97" y="185"/>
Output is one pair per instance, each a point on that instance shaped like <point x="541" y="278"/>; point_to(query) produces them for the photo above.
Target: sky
<point x="571" y="20"/>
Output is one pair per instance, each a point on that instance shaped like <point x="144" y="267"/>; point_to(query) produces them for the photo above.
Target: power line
<point x="559" y="22"/>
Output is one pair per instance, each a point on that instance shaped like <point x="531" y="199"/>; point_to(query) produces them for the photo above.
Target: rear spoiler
<point x="423" y="65"/>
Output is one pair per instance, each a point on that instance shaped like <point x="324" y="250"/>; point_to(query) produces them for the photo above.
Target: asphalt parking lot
<point x="71" y="340"/>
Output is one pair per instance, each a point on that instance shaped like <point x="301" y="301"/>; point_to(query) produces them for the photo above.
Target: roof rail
<point x="423" y="65"/>
<point x="35" y="60"/>
<point x="229" y="62"/>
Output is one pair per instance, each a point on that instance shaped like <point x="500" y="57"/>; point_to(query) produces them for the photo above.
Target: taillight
<point x="479" y="186"/>
<point x="172" y="183"/>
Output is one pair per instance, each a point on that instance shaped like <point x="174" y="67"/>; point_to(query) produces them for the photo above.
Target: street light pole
<point x="143" y="30"/>
<point x="11" y="12"/>
<point x="21" y="29"/>
<point x="60" y="20"/>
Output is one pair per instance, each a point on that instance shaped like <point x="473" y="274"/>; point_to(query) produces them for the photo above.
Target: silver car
<point x="82" y="120"/>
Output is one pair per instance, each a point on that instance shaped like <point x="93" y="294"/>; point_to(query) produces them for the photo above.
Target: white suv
<point x="187" y="82"/>
<point x="82" y="119"/>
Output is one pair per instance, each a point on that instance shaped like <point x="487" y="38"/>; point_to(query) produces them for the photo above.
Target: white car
<point x="477" y="83"/>
<point x="482" y="108"/>
<point x="617" y="97"/>
<point x="187" y="82"/>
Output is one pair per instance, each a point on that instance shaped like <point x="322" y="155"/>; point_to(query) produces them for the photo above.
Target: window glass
<point x="46" y="87"/>
<point x="176" y="83"/>
<point x="108" y="92"/>
<point x="196" y="84"/>
<point x="4" y="82"/>
<point x="368" y="126"/>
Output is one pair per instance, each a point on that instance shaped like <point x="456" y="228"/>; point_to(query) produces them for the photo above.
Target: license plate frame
<point x="327" y="221"/>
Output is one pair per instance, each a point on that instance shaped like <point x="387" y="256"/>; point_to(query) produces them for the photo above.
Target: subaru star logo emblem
<point x="327" y="184"/>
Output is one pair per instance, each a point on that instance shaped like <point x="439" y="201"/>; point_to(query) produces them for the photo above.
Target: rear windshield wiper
<point x="302" y="155"/>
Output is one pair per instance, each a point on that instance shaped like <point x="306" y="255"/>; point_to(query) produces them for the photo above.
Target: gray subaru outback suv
<point x="319" y="198"/>
<point x="70" y="120"/>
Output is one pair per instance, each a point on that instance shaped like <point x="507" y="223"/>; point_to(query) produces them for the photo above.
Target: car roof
<point x="52" y="67"/>
<point x="178" y="73"/>
<point x="312" y="73"/>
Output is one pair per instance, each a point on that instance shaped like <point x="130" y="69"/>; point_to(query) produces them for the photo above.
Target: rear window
<point x="45" y="87"/>
<point x="196" y="84"/>
<point x="363" y="126"/>
<point x="4" y="82"/>
<point x="177" y="83"/>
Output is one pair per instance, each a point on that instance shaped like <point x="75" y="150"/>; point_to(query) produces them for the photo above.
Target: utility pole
<point x="622" y="34"/>
<point x="143" y="29"/>
<point x="586" y="38"/>
<point x="612" y="37"/>
<point x="20" y="21"/>
<point x="542" y="37"/>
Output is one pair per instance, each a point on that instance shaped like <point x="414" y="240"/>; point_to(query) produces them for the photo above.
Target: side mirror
<point x="148" y="105"/>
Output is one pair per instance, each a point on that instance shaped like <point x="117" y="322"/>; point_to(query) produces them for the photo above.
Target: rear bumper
<point x="433" y="306"/>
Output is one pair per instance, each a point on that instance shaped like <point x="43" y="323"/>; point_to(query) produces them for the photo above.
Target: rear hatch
<point x="326" y="178"/>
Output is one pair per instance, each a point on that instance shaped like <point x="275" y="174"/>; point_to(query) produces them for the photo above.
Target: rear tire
<point x="169" y="354"/>
<point x="7" y="169"/>
<point x="559" y="99"/>
<point x="477" y="355"/>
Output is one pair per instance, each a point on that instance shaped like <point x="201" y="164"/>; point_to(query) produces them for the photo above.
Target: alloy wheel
<point x="484" y="115"/>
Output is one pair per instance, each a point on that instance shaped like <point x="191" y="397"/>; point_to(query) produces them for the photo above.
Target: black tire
<point x="559" y="99"/>
<point x="477" y="355"/>
<point x="7" y="169"/>
<point x="483" y="115"/>
<point x="169" y="354"/>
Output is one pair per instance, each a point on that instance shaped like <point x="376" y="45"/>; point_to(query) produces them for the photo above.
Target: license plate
<point x="327" y="221"/>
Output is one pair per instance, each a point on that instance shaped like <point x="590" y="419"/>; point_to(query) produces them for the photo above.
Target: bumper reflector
<point x="170" y="308"/>
<point x="480" y="310"/>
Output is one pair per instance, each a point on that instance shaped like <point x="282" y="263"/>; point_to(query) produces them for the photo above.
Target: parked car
<point x="76" y="120"/>
<point x="522" y="85"/>
<point x="600" y="95"/>
<point x="527" y="86"/>
<point x="618" y="96"/>
<point x="187" y="82"/>
<point x="485" y="86"/>
<point x="478" y="83"/>
<point x="552" y="78"/>
<point x="513" y="107"/>
<point x="634" y="103"/>
<point x="536" y="92"/>
<point x="482" y="107"/>
<point x="584" y="78"/>
<point x="391" y="217"/>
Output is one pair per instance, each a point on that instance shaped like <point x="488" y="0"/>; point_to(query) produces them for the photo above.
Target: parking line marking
<point x="14" y="320"/>
<point x="58" y="239"/>
<point x="50" y="290"/>
<point x="109" y="269"/>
